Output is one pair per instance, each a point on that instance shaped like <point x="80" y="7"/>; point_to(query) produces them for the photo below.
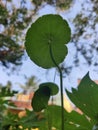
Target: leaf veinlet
<point x="61" y="86"/>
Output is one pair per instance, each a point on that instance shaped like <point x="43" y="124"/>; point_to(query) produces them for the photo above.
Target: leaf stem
<point x="61" y="86"/>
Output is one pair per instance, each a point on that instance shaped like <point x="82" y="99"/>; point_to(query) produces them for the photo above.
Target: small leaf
<point x="47" y="30"/>
<point x="53" y="87"/>
<point x="40" y="99"/>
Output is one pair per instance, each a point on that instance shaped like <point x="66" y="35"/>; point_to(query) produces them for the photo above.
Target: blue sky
<point x="29" y="68"/>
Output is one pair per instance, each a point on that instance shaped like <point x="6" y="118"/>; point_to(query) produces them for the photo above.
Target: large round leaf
<point x="48" y="30"/>
<point x="53" y="87"/>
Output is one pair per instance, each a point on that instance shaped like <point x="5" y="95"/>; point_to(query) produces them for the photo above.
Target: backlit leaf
<point x="85" y="97"/>
<point x="45" y="31"/>
<point x="53" y="87"/>
<point x="40" y="99"/>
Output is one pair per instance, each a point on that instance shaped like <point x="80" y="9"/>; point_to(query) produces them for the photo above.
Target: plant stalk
<point x="61" y="87"/>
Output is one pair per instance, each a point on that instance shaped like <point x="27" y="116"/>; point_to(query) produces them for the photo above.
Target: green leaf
<point x="40" y="99"/>
<point x="53" y="117"/>
<point x="30" y="120"/>
<point x="86" y="97"/>
<point x="52" y="86"/>
<point x="77" y="120"/>
<point x="73" y="120"/>
<point x="47" y="30"/>
<point x="42" y="95"/>
<point x="6" y="92"/>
